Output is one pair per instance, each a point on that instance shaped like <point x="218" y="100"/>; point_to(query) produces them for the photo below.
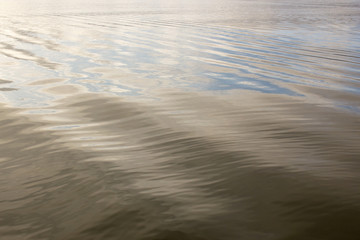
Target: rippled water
<point x="179" y="120"/>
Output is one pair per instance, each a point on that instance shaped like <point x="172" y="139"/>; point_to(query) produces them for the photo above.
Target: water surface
<point x="169" y="120"/>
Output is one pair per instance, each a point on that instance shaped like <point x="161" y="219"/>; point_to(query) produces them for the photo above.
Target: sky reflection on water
<point x="169" y="51"/>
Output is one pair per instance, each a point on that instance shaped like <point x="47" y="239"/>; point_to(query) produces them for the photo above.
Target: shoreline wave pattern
<point x="177" y="120"/>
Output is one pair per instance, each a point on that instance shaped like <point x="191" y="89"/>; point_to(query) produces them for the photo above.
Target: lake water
<point x="179" y="120"/>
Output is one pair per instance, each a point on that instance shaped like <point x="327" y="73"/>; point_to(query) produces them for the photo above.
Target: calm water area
<point x="179" y="120"/>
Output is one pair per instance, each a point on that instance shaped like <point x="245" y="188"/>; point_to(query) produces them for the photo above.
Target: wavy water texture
<point x="197" y="120"/>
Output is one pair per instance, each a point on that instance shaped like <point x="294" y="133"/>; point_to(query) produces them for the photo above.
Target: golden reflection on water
<point x="200" y="154"/>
